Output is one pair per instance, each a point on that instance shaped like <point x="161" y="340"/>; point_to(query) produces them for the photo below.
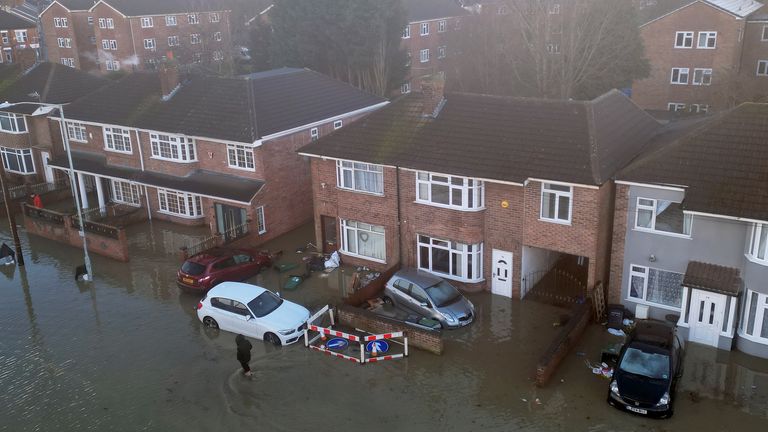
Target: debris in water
<point x="524" y="400"/>
<point x="616" y="332"/>
<point x="538" y="401"/>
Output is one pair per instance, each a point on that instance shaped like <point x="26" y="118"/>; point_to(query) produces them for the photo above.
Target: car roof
<point x="419" y="277"/>
<point x="239" y="291"/>
<point x="652" y="332"/>
<point x="210" y="255"/>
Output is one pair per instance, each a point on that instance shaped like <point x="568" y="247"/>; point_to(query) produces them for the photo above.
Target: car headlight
<point x="615" y="388"/>
<point x="664" y="400"/>
<point x="448" y="316"/>
<point x="286" y="332"/>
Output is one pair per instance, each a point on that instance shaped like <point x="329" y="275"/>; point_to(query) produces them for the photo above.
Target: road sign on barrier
<point x="381" y="346"/>
<point x="337" y="344"/>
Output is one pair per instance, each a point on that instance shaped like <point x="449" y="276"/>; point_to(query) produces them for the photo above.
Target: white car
<point x="252" y="311"/>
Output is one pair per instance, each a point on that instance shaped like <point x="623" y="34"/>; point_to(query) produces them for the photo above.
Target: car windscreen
<point x="264" y="304"/>
<point x="443" y="293"/>
<point x="192" y="268"/>
<point x="645" y="363"/>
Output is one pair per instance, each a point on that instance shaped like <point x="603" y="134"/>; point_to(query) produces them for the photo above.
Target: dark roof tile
<point x="711" y="277"/>
<point x="423" y="10"/>
<point x="10" y="21"/>
<point x="55" y="83"/>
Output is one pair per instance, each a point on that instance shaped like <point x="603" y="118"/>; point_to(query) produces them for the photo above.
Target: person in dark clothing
<point x="244" y="353"/>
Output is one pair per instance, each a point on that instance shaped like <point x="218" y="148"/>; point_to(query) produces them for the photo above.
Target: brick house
<point x="754" y="60"/>
<point x="691" y="229"/>
<point x="696" y="49"/>
<point x="135" y="35"/>
<point x="203" y="150"/>
<point x="18" y="39"/>
<point x="26" y="137"/>
<point x="425" y="37"/>
<point x="490" y="192"/>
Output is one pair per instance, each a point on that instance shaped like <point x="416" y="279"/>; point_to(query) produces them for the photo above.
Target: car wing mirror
<point x="425" y="304"/>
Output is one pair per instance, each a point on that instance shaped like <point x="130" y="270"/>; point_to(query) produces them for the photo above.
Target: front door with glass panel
<point x="502" y="273"/>
<point x="706" y="317"/>
<point x="230" y="221"/>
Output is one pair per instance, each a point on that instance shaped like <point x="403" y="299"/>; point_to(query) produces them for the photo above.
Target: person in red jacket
<point x="37" y="201"/>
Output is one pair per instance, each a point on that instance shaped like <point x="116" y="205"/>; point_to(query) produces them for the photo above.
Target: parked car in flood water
<point x="205" y="270"/>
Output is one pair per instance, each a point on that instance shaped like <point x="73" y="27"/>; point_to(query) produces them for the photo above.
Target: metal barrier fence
<point x="215" y="240"/>
<point x="49" y="216"/>
<point x="24" y="190"/>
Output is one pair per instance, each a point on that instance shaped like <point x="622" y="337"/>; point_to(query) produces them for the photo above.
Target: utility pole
<point x="11" y="218"/>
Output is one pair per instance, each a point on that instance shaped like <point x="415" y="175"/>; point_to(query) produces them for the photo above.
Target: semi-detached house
<point x="691" y="231"/>
<point x="490" y="192"/>
<point x="206" y="150"/>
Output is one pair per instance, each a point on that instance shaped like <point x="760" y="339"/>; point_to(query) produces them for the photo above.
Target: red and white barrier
<point x="374" y="357"/>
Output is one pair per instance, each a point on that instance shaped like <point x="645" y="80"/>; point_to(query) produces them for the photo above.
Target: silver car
<point x="429" y="296"/>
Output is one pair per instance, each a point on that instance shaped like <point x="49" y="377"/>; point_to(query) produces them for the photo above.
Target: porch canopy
<point x="206" y="183"/>
<point x="711" y="277"/>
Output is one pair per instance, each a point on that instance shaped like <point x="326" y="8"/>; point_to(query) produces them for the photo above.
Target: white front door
<point x="706" y="317"/>
<point x="502" y="273"/>
<point x="45" y="156"/>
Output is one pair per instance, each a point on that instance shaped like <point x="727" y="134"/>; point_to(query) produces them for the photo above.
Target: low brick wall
<point x="568" y="337"/>
<point x="426" y="340"/>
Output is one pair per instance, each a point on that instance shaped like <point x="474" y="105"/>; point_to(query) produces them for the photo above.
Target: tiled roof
<point x="740" y="8"/>
<point x="648" y="11"/>
<point x="55" y="83"/>
<point x="233" y="109"/>
<point x="159" y="7"/>
<point x="199" y="182"/>
<point x="723" y="165"/>
<point x="423" y="10"/>
<point x="711" y="277"/>
<point x="77" y="5"/>
<point x="499" y="138"/>
<point x="10" y="21"/>
<point x="20" y="108"/>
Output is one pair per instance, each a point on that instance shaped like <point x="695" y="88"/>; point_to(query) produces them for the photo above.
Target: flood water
<point x="127" y="353"/>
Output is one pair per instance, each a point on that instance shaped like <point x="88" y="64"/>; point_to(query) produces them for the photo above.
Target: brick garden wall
<point x="568" y="337"/>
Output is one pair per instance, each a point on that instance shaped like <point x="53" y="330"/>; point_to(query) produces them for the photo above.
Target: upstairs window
<point x="424" y="55"/>
<point x="679" y="76"/>
<point x="360" y="177"/>
<point x="117" y="139"/>
<point x="676" y="106"/>
<point x="702" y="77"/>
<point x="461" y="193"/>
<point x="77" y="132"/>
<point x="662" y="216"/>
<point x="194" y="38"/>
<point x="170" y="20"/>
<point x="217" y="36"/>
<point x="764" y="38"/>
<point x="21" y="37"/>
<point x="556" y="202"/>
<point x="12" y="123"/>
<point x="106" y="23"/>
<point x="554" y="9"/>
<point x="147" y="22"/>
<point x="758" y="242"/>
<point x="109" y="44"/>
<point x="60" y="22"/>
<point x="172" y="147"/>
<point x="338" y="124"/>
<point x="149" y="44"/>
<point x="173" y="41"/>
<point x="406" y="32"/>
<point x="405" y="87"/>
<point x="4" y="36"/>
<point x="707" y="40"/>
<point x="112" y="65"/>
<point x="441" y="26"/>
<point x="17" y="161"/>
<point x="762" y="68"/>
<point x="90" y="20"/>
<point x="193" y="19"/>
<point x="424" y="29"/>
<point x="241" y="157"/>
<point x="214" y="17"/>
<point x="314" y="134"/>
<point x="684" y="39"/>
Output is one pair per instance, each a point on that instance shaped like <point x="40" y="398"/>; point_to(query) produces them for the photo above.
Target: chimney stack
<point x="432" y="90"/>
<point x="169" y="79"/>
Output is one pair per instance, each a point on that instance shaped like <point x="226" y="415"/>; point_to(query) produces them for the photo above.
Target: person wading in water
<point x="244" y="353"/>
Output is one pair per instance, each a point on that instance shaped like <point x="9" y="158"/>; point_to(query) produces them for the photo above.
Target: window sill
<point x="242" y="169"/>
<point x="674" y="83"/>
<point x="349" y="254"/>
<point x="757" y="261"/>
<point x="78" y="141"/>
<point x="13" y="132"/>
<point x="359" y="191"/>
<point x="651" y="304"/>
<point x="449" y="207"/>
<point x="183" y="216"/>
<point x="663" y="233"/>
<point x="262" y="232"/>
<point x="137" y="205"/>
<point x="118" y="151"/>
<point x="20" y="173"/>
<point x="755" y="339"/>
<point x="159" y="158"/>
<point x="555" y="221"/>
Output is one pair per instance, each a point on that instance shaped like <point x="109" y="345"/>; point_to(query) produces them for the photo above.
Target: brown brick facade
<point x="617" y="247"/>
<point x="433" y="41"/>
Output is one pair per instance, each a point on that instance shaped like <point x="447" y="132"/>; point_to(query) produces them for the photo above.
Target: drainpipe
<point x="399" y="219"/>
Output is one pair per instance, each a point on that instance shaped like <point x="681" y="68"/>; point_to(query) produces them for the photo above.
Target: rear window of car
<point x="192" y="268"/>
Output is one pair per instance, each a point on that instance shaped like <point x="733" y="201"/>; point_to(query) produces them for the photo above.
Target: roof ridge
<point x="594" y="161"/>
<point x="522" y="98"/>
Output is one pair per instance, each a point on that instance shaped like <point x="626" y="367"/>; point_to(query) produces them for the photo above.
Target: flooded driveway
<point x="127" y="353"/>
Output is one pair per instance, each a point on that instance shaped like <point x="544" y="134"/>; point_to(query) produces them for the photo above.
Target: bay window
<point x="125" y="192"/>
<point x="361" y="177"/>
<point x="117" y="139"/>
<point x="451" y="191"/>
<point x="754" y="324"/>
<point x="662" y="216"/>
<point x="556" y="202"/>
<point x="239" y="156"/>
<point x="451" y="259"/>
<point x="17" y="161"/>
<point x="656" y="286"/>
<point x="173" y="147"/>
<point x="757" y="244"/>
<point x="12" y="123"/>
<point x="363" y="240"/>
<point x="180" y="203"/>
<point x="77" y="132"/>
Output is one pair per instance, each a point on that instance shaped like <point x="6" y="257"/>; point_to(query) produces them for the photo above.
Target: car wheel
<point x="210" y="322"/>
<point x="387" y="301"/>
<point x="272" y="338"/>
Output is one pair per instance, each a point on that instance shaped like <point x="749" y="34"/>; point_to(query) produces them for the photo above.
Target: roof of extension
<point x="10" y="21"/>
<point x="499" y="138"/>
<point x="424" y="10"/>
<point x="721" y="164"/>
<point x="77" y="5"/>
<point x="55" y="83"/>
<point x="712" y="277"/>
<point x="650" y="11"/>
<point x="231" y="109"/>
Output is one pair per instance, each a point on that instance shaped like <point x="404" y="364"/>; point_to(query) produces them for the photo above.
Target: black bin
<point x="615" y="316"/>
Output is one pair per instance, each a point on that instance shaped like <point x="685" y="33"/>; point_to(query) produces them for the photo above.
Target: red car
<point x="205" y="270"/>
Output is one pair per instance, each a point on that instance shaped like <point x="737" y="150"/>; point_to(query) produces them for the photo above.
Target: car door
<point x="402" y="292"/>
<point x="245" y="266"/>
<point x="245" y="322"/>
<point x="224" y="315"/>
<point x="225" y="270"/>
<point x="420" y="301"/>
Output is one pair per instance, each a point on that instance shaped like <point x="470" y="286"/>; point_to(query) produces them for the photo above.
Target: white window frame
<point x="546" y="188"/>
<point x="644" y="272"/>
<point x="407" y="31"/>
<point x="125" y="192"/>
<point x="348" y="171"/>
<point x="189" y="205"/>
<point x="338" y="124"/>
<point x="441" y="26"/>
<point x="469" y="187"/>
<point x="351" y="229"/>
<point x="553" y="48"/>
<point x="687" y="39"/>
<point x="762" y="68"/>
<point x="554" y="9"/>
<point x="110" y="23"/>
<point x="214" y="17"/>
<point x="173" y="148"/>
<point x="405" y="87"/>
<point x="111" y="144"/>
<point x="467" y="252"/>
<point x="170" y="21"/>
<point x="441" y="52"/>
<point x="699" y="108"/>
<point x="217" y="36"/>
<point x="261" y="221"/>
<point x="651" y="207"/>
<point x="112" y="65"/>
<point x="149" y="44"/>
<point x="77" y="132"/>
<point x="90" y="20"/>
<point x="680" y="73"/>
<point x="147" y="22"/>
<point x="194" y="38"/>
<point x="21" y="36"/>
<point x="241" y="157"/>
<point x="314" y="134"/>
<point x="753" y="251"/>
<point x="17" y="123"/>
<point x="218" y="55"/>
<point x="764" y="36"/>
<point x="68" y="61"/>
<point x="193" y="18"/>
<point x="5" y="39"/>
<point x="173" y="41"/>
<point x="704" y="76"/>
<point x="761" y="313"/>
<point x="676" y="106"/>
<point x="707" y="37"/>
<point x="24" y="158"/>
<point x="424" y="55"/>
<point x="424" y="29"/>
<point x="60" y="22"/>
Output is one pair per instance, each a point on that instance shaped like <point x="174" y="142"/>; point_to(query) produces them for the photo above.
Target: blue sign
<point x="337" y="344"/>
<point x="381" y="346"/>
